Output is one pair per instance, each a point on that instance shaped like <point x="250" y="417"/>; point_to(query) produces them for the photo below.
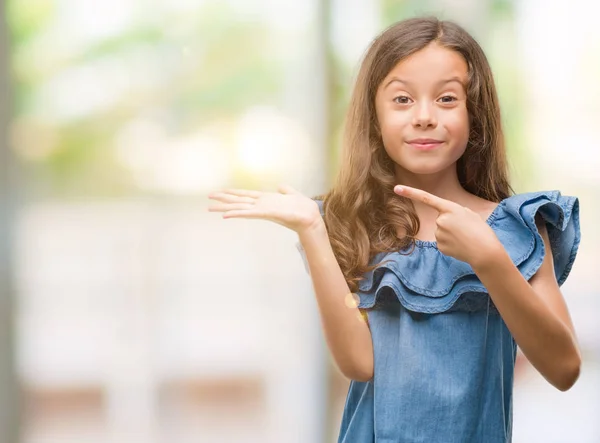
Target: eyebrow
<point x="441" y="82"/>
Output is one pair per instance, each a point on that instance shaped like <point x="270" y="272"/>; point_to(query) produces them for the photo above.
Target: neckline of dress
<point x="489" y="220"/>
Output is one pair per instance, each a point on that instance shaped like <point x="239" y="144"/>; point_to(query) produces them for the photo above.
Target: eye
<point x="402" y="100"/>
<point x="448" y="99"/>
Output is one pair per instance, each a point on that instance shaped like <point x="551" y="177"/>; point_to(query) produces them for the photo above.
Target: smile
<point x="425" y="145"/>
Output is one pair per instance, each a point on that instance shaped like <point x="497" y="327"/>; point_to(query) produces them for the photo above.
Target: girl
<point x="427" y="270"/>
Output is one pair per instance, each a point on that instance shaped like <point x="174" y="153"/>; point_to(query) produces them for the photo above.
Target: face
<point x="421" y="107"/>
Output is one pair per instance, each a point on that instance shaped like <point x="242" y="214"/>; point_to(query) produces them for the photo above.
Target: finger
<point x="230" y="198"/>
<point x="224" y="207"/>
<point x="245" y="213"/>
<point x="287" y="189"/>
<point x="434" y="201"/>
<point x="244" y="193"/>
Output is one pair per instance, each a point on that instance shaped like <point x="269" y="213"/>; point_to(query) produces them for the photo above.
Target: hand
<point x="287" y="207"/>
<point x="461" y="233"/>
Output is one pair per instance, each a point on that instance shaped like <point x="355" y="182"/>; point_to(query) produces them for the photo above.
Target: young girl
<point x="428" y="272"/>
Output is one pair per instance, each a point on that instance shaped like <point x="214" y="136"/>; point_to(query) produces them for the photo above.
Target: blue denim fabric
<point x="444" y="358"/>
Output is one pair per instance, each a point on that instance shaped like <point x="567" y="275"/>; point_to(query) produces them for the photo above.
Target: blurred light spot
<point x="188" y="164"/>
<point x="85" y="89"/>
<point x="138" y="145"/>
<point x="351" y="300"/>
<point x="196" y="163"/>
<point x="88" y="22"/>
<point x="272" y="144"/>
<point x="33" y="139"/>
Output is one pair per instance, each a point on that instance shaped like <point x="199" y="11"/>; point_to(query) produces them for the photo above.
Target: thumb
<point x="287" y="189"/>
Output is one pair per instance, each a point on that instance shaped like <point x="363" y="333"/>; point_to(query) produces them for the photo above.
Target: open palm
<point x="286" y="207"/>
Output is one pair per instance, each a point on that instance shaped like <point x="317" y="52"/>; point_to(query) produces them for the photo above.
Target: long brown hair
<point x="362" y="213"/>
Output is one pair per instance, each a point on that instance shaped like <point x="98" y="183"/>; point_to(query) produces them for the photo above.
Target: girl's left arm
<point x="535" y="312"/>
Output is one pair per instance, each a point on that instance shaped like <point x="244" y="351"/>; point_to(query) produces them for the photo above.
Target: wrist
<point x="489" y="257"/>
<point x="314" y="229"/>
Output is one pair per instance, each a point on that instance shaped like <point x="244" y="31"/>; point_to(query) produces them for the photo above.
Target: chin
<point x="425" y="168"/>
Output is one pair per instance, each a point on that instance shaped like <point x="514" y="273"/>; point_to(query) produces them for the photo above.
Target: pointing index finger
<point x="440" y="204"/>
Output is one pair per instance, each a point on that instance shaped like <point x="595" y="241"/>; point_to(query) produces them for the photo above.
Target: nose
<point x="424" y="116"/>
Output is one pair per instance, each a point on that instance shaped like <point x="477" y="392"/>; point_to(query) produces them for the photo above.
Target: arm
<point x="535" y="313"/>
<point x="346" y="332"/>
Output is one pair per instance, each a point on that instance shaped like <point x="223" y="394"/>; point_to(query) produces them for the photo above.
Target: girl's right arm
<point x="346" y="331"/>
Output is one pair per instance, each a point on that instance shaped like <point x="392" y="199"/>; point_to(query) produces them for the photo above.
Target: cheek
<point x="397" y="120"/>
<point x="457" y="124"/>
<point x="458" y="128"/>
<point x="393" y="124"/>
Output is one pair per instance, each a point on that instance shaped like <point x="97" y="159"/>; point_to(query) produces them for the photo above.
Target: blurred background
<point x="128" y="312"/>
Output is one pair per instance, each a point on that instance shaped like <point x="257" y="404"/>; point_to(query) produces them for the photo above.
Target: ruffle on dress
<point x="428" y="281"/>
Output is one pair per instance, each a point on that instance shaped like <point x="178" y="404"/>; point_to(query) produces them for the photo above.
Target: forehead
<point x="430" y="65"/>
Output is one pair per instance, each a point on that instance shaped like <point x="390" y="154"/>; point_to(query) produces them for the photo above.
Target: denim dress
<point x="443" y="356"/>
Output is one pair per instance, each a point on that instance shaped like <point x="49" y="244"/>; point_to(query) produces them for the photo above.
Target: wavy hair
<point x="361" y="211"/>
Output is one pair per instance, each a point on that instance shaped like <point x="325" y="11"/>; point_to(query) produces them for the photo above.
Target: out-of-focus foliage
<point x="186" y="70"/>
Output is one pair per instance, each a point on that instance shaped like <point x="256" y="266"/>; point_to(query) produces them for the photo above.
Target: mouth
<point x="424" y="144"/>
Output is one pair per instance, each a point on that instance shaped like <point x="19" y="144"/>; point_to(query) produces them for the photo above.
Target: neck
<point x="444" y="184"/>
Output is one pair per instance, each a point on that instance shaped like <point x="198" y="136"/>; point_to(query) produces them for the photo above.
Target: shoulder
<point x="539" y="198"/>
<point x="482" y="206"/>
<point x="539" y="208"/>
<point x="533" y="199"/>
<point x="526" y="222"/>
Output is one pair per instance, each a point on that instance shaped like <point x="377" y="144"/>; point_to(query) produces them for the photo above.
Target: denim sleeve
<point x="561" y="216"/>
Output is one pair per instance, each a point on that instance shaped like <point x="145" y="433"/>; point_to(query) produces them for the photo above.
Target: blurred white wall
<point x="559" y="56"/>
